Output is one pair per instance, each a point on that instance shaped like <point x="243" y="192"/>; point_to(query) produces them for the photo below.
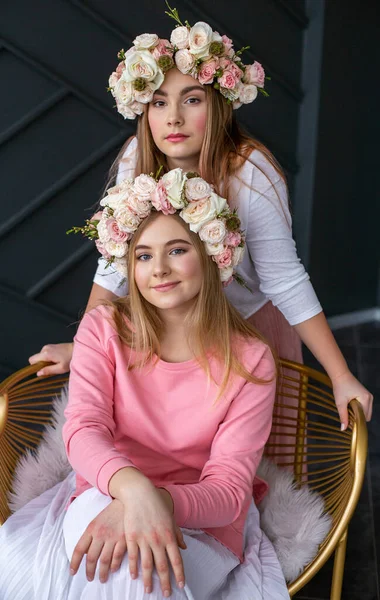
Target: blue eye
<point x="193" y="100"/>
<point x="143" y="257"/>
<point x="158" y="103"/>
<point x="177" y="251"/>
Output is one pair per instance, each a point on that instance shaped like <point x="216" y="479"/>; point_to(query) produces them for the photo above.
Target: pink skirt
<point x="285" y="341"/>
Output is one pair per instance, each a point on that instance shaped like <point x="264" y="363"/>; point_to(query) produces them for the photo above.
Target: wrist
<point x="167" y="497"/>
<point x="124" y="481"/>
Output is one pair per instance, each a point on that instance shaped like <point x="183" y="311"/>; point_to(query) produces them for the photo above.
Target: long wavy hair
<point x="226" y="147"/>
<point x="212" y="324"/>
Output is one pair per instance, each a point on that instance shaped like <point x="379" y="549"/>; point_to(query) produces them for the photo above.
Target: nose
<point x="174" y="116"/>
<point x="161" y="267"/>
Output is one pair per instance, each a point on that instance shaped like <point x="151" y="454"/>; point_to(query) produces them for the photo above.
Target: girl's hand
<point x="151" y="531"/>
<point x="60" y="354"/>
<point x="346" y="387"/>
<point x="103" y="541"/>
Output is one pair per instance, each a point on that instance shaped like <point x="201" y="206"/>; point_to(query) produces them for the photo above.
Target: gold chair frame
<point x="330" y="461"/>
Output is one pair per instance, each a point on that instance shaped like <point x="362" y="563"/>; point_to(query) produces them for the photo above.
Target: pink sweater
<point x="163" y="421"/>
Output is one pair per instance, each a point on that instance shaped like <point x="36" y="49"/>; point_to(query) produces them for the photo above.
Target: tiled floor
<point x="361" y="347"/>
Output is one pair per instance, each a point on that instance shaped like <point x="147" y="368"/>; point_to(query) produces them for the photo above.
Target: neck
<point x="175" y="339"/>
<point x="186" y="164"/>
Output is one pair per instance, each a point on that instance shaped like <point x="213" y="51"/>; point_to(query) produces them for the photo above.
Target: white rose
<point x="123" y="91"/>
<point x="137" y="107"/>
<point x="116" y="248"/>
<point x="180" y="37"/>
<point x="140" y="64"/>
<point x="213" y="232"/>
<point x="197" y="188"/>
<point x="126" y="219"/>
<point x="103" y="233"/>
<point x="197" y="214"/>
<point x="145" y="96"/>
<point x="125" y="111"/>
<point x="237" y="255"/>
<point x="200" y="38"/>
<point x="214" y="249"/>
<point x="112" y="81"/>
<point x="247" y="93"/>
<point x="121" y="265"/>
<point x="226" y="273"/>
<point x="140" y="206"/>
<point x="145" y="41"/>
<point x="230" y="94"/>
<point x="184" y="61"/>
<point x="144" y="185"/>
<point x="216" y="37"/>
<point x="174" y="182"/>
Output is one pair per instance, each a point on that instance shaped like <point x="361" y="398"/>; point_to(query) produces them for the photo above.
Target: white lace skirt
<point x="36" y="544"/>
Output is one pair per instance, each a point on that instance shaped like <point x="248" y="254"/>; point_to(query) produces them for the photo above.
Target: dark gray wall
<point x="344" y="245"/>
<point x="59" y="135"/>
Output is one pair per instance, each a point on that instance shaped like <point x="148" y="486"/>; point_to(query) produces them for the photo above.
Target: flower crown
<point x="197" y="51"/>
<point x="127" y="204"/>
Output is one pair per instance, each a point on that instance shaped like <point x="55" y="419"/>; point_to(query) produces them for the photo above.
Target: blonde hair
<point x="213" y="323"/>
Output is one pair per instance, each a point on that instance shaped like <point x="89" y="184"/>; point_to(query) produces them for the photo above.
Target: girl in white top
<point x="186" y="123"/>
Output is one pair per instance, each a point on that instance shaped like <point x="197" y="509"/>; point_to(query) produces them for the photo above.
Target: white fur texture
<point x="292" y="518"/>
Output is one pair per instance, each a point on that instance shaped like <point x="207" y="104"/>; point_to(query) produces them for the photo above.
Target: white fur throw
<point x="292" y="518"/>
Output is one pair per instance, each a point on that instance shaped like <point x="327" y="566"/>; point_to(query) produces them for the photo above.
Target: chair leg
<point x="338" y="570"/>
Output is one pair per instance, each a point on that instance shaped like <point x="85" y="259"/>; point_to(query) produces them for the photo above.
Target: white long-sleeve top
<point x="271" y="267"/>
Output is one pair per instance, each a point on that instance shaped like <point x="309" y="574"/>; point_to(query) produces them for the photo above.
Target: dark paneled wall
<point x="344" y="263"/>
<point x="59" y="135"/>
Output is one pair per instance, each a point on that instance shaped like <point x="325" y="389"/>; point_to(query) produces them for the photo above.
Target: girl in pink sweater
<point x="170" y="403"/>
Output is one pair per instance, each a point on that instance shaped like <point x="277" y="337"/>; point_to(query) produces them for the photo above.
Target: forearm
<point x="317" y="336"/>
<point x="97" y="295"/>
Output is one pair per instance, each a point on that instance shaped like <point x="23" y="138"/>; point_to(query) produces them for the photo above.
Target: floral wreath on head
<point x="197" y="51"/>
<point x="127" y="204"/>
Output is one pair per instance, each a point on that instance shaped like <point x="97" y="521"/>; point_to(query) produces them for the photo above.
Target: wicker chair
<point x="328" y="460"/>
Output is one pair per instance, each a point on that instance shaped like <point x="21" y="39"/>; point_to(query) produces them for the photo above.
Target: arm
<point x="284" y="280"/>
<point x="226" y="481"/>
<point x="317" y="336"/>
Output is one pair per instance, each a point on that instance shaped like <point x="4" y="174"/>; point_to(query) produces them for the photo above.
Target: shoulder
<point x="97" y="324"/>
<point x="257" y="357"/>
<point x="259" y="173"/>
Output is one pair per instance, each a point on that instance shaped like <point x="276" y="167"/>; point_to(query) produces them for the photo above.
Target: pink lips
<point x="176" y="137"/>
<point x="166" y="287"/>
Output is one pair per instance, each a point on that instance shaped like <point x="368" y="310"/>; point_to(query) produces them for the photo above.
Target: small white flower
<point x="123" y="91"/>
<point x="197" y="188"/>
<point x="126" y="111"/>
<point x="139" y="205"/>
<point x="103" y="233"/>
<point x="180" y="37"/>
<point x="145" y="96"/>
<point x="145" y="41"/>
<point x="140" y="64"/>
<point x="184" y="61"/>
<point x="200" y="38"/>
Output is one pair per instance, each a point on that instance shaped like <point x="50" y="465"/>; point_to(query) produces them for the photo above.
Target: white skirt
<point x="36" y="544"/>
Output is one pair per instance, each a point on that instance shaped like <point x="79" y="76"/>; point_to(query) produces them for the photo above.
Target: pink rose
<point x="227" y="42"/>
<point x="207" y="71"/>
<point x="228" y="80"/>
<point x="163" y="47"/>
<point x="160" y="200"/>
<point x="115" y="233"/>
<point x="234" y="69"/>
<point x="255" y="74"/>
<point x="224" y="259"/>
<point x="224" y="62"/>
<point x="120" y="68"/>
<point x="232" y="239"/>
<point x="102" y="250"/>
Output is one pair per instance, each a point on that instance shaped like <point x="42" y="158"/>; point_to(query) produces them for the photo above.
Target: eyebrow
<point x="169" y="243"/>
<point x="183" y="92"/>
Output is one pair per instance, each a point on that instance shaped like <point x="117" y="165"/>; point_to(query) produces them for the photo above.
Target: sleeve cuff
<point x="180" y="502"/>
<point x="108" y="470"/>
<point x="306" y="315"/>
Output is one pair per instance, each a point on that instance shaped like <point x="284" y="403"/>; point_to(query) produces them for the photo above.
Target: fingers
<point x="133" y="554"/>
<point x="93" y="556"/>
<point x="118" y="555"/>
<point x="146" y="566"/>
<point x="177" y="563"/>
<point x="80" y="550"/>
<point x="343" y="414"/>
<point x="180" y="540"/>
<point x="57" y="369"/>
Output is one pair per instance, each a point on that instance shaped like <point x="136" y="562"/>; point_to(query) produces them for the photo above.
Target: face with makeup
<point x="177" y="119"/>
<point x="168" y="271"/>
